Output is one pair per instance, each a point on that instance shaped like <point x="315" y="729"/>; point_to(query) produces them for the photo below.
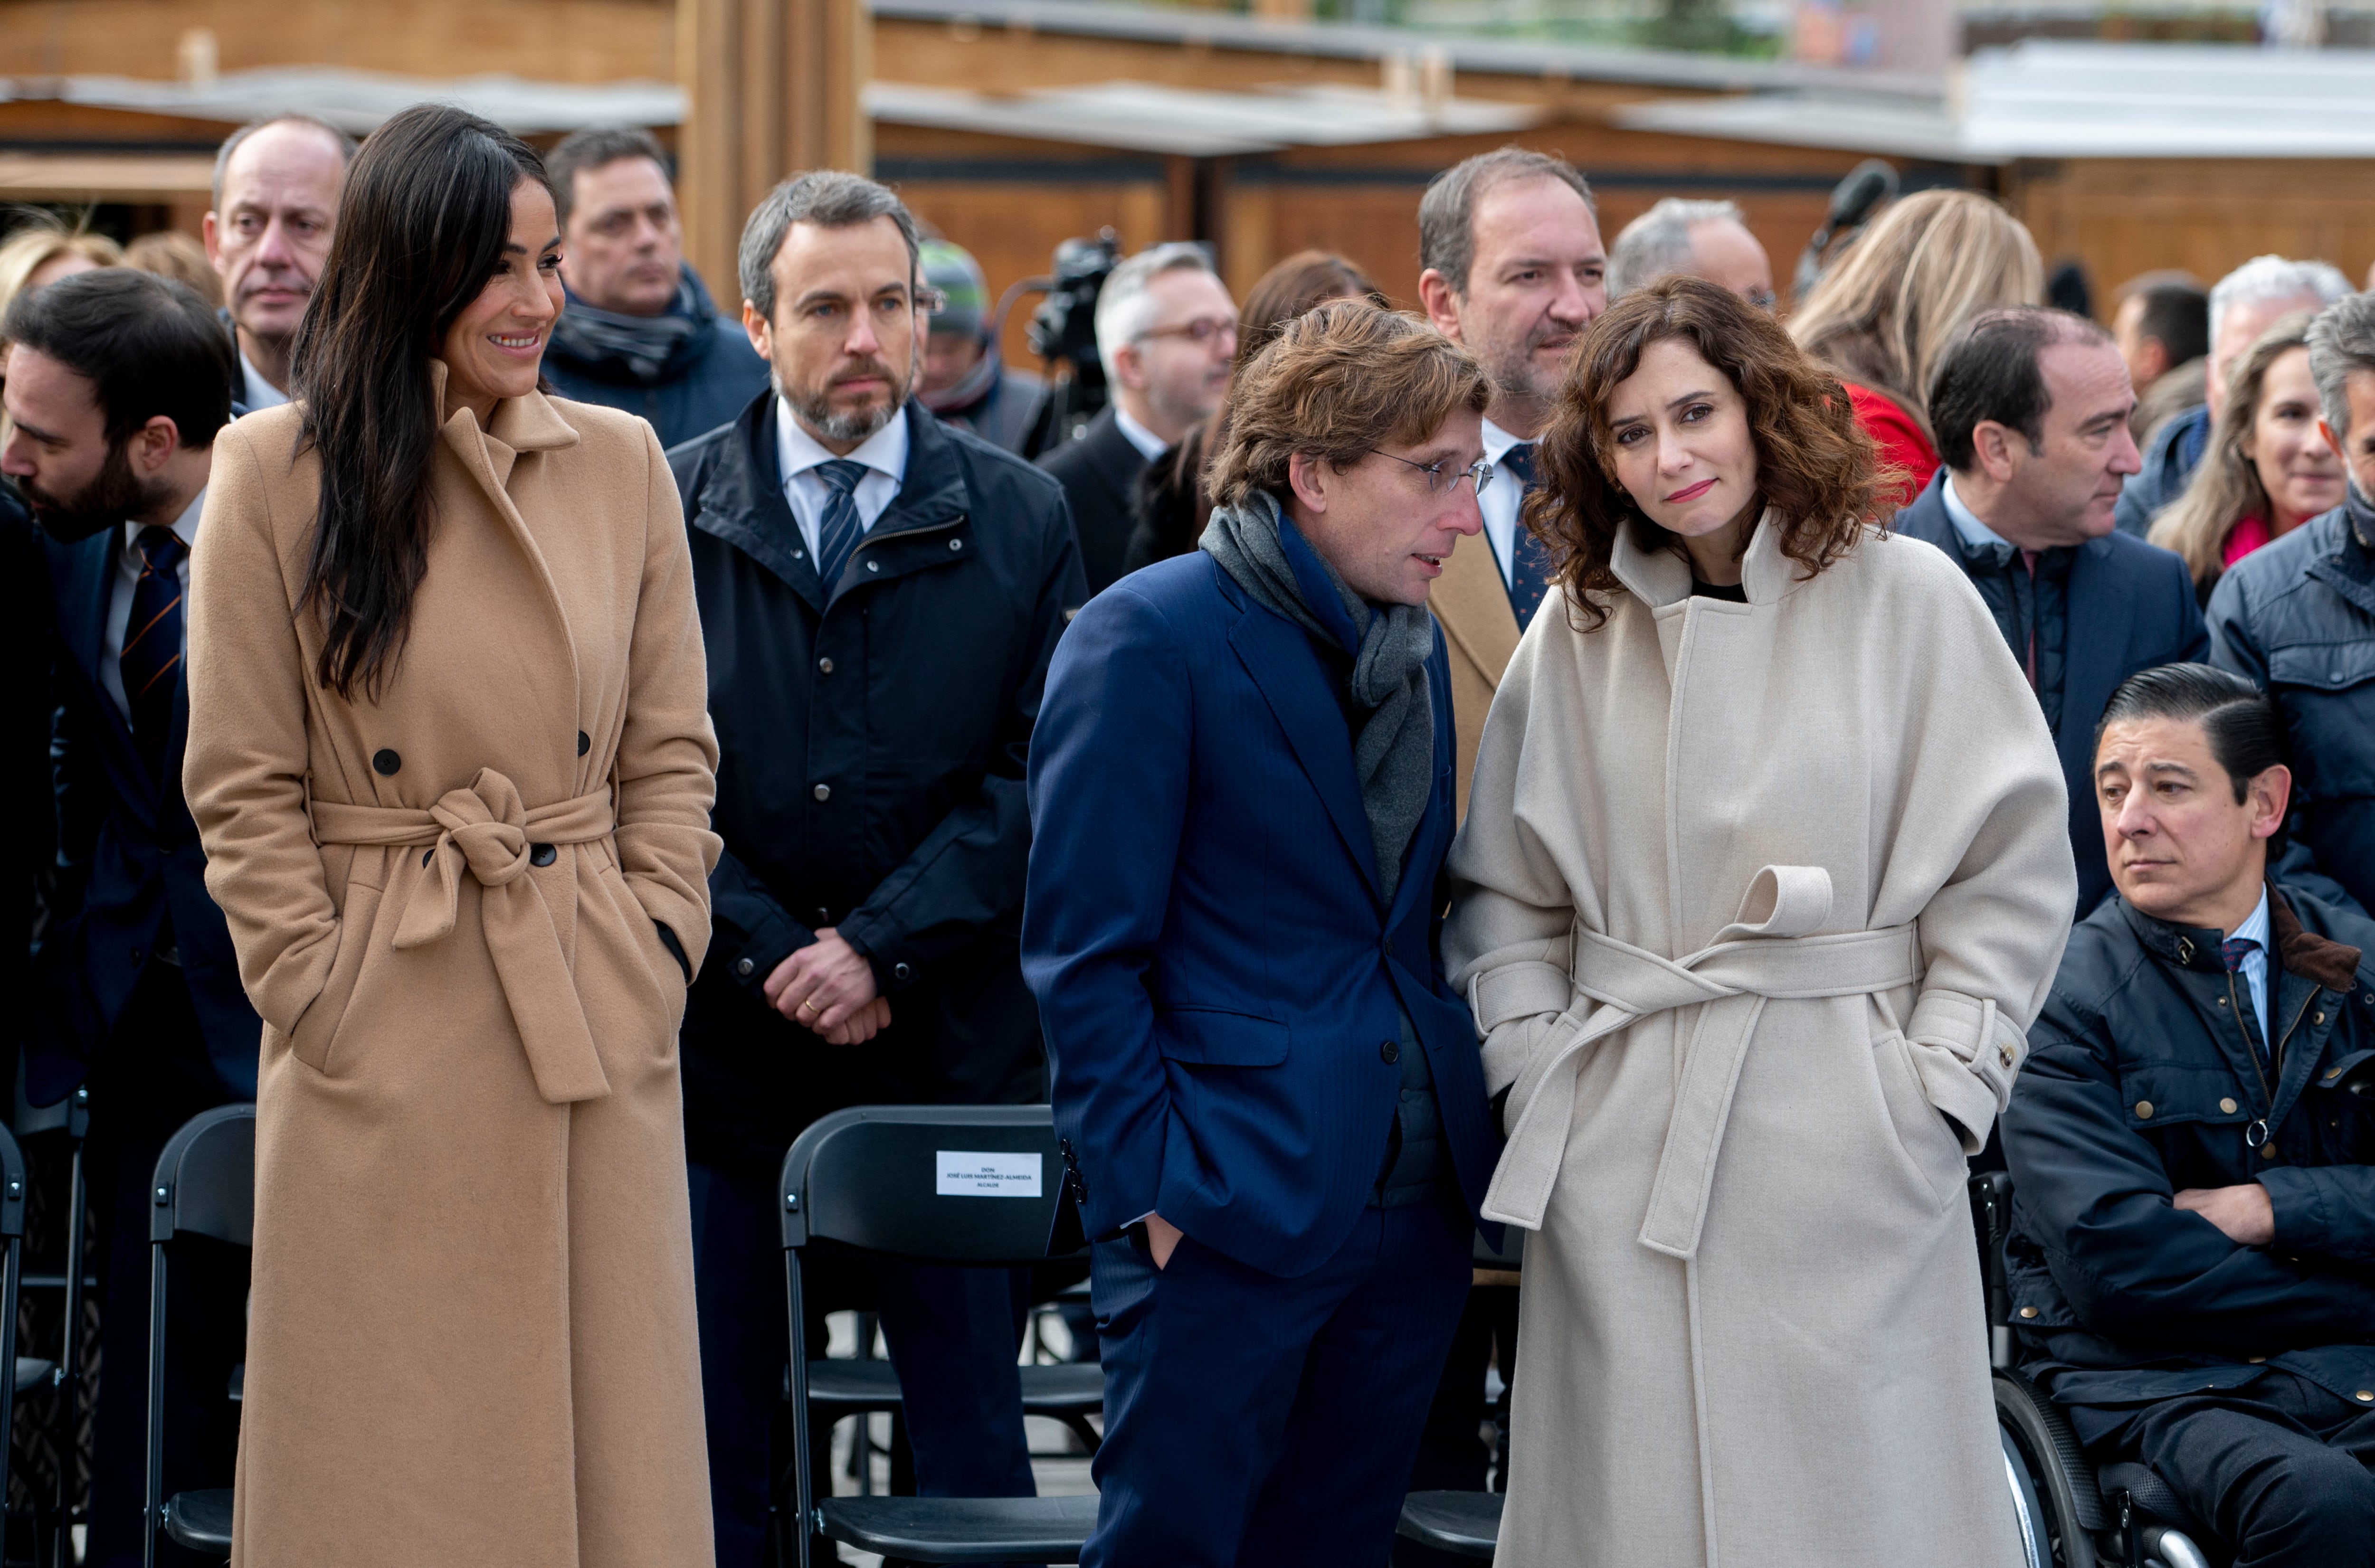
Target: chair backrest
<point x="943" y="1184"/>
<point x="206" y="1179"/>
<point x="1509" y="1255"/>
<point x="12" y="1186"/>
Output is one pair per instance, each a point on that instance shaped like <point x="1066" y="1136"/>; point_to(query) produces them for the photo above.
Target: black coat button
<point x="1389" y="1052"/>
<point x="744" y="966"/>
<point x="901" y="971"/>
<point x="543" y="855"/>
<point x="384" y="762"/>
<point x="585" y="743"/>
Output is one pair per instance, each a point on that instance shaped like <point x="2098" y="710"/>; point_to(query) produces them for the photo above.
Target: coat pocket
<point x="316" y="1037"/>
<point x="1216" y="1038"/>
<point x="1928" y="1144"/>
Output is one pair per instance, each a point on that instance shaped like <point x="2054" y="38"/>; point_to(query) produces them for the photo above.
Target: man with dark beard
<point x="116" y="385"/>
<point x="880" y="599"/>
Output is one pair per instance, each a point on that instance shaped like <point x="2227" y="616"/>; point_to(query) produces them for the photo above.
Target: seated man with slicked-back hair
<point x="2193" y="1256"/>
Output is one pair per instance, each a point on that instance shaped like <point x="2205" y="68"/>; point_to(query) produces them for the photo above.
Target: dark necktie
<point x="838" y="531"/>
<point x="152" y="642"/>
<point x="1530" y="564"/>
<point x="2234" y="950"/>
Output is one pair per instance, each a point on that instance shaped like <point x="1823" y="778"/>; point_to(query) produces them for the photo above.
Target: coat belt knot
<point x="1766" y="953"/>
<point x="488" y="830"/>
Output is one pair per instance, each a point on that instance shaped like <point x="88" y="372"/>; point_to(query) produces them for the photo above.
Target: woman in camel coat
<point x="1763" y="876"/>
<point x="451" y="762"/>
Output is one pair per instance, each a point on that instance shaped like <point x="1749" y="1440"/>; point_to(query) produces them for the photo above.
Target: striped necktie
<point x="839" y="530"/>
<point x="1530" y="564"/>
<point x="151" y="662"/>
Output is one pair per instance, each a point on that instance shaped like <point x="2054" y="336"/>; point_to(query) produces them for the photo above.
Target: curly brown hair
<point x="1338" y="382"/>
<point x="1815" y="466"/>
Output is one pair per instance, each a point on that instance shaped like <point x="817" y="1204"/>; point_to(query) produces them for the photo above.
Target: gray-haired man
<point x="1167" y="331"/>
<point x="2298" y="618"/>
<point x="276" y="203"/>
<point x="2243" y="304"/>
<point x="880" y="596"/>
<point x="1709" y="240"/>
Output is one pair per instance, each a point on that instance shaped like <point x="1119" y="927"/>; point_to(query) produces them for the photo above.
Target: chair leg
<point x="1081" y="1429"/>
<point x="804" y="1507"/>
<point x="69" y="1402"/>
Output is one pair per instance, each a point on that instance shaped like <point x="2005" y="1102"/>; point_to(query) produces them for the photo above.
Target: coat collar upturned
<point x="2332" y="964"/>
<point x="521" y="424"/>
<point x="1662" y="577"/>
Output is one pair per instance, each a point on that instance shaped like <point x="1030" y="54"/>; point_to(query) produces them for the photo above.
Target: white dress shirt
<point x="884" y="454"/>
<point x="1502" y="500"/>
<point x="1966" y="522"/>
<point x="128" y="566"/>
<point x="1149" y="445"/>
<point x="259" y="394"/>
<point x="2255" y="962"/>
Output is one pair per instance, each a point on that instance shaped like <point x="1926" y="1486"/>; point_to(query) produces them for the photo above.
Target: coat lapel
<point x="1280" y="659"/>
<point x="742" y="502"/>
<point x="2097" y="625"/>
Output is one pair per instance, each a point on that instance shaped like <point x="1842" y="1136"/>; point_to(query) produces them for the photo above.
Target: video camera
<point x="1064" y="333"/>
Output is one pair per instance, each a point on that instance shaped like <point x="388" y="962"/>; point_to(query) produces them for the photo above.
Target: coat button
<point x="585" y="743"/>
<point x="901" y="971"/>
<point x="873" y="566"/>
<point x="2143" y="1109"/>
<point x="2028" y="1312"/>
<point x="744" y="966"/>
<point x="2319" y="1018"/>
<point x="2005" y="1055"/>
<point x="956" y="543"/>
<point x="543" y="855"/>
<point x="2227" y="1106"/>
<point x="2365" y="1396"/>
<point x="2256" y="1361"/>
<point x="2334" y="1074"/>
<point x="384" y="762"/>
<point x="823" y="792"/>
<point x="1389" y="1052"/>
<point x="825" y="666"/>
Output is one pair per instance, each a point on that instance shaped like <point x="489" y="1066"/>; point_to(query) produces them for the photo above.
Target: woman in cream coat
<point x="1763" y="876"/>
<point x="450" y="755"/>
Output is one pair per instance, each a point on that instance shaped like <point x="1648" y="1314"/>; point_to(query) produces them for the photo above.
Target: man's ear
<point x="2154" y="354"/>
<point x="1441" y="304"/>
<point x="207" y="235"/>
<point x="1129" y="366"/>
<point x="1992" y="448"/>
<point x="762" y="336"/>
<point x="2268" y="795"/>
<point x="153" y="444"/>
<point x="1307" y="477"/>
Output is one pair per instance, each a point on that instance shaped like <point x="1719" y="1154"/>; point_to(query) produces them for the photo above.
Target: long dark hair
<point x="422" y="223"/>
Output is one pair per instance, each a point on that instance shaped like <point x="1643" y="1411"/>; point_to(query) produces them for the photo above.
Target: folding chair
<point x="1467" y="1524"/>
<point x="971" y="1186"/>
<point x="205" y="1187"/>
<point x="27" y="1371"/>
<point x="71" y="1116"/>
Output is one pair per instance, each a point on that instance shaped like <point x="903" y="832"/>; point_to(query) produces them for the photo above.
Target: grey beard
<point x="818" y="415"/>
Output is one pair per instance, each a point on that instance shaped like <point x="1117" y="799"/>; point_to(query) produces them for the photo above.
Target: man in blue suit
<point x="117" y="383"/>
<point x="2030" y="407"/>
<point x="1272" y="1115"/>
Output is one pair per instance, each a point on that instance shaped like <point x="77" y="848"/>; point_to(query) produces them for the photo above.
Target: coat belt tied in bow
<point x="486" y="829"/>
<point x="1750" y="963"/>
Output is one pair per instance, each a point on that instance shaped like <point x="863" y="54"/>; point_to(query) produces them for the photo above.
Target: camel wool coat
<point x="1748" y="894"/>
<point x="471" y="1334"/>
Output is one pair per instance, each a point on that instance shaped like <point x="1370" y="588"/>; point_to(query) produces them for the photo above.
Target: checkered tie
<point x="839" y="531"/>
<point x="151" y="662"/>
<point x="1530" y="564"/>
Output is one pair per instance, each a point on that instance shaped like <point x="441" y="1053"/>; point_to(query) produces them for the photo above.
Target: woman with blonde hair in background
<point x="168" y="253"/>
<point x="1766" y="871"/>
<point x="42" y="248"/>
<point x="2269" y="468"/>
<point x="1882" y="315"/>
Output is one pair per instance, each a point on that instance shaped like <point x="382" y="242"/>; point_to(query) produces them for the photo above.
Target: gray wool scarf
<point x="1393" y="740"/>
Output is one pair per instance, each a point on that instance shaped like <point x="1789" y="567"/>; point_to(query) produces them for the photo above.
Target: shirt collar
<point x="1149" y="445"/>
<point x="2255" y="929"/>
<point x="796" y="451"/>
<point x="1497" y="442"/>
<point x="261" y="393"/>
<point x="184" y="527"/>
<point x="1966" y="522"/>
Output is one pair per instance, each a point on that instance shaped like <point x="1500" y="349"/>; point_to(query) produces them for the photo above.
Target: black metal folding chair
<point x="205" y="1187"/>
<point x="1467" y="1524"/>
<point x="62" y="1373"/>
<point x="971" y="1186"/>
<point x="28" y="1373"/>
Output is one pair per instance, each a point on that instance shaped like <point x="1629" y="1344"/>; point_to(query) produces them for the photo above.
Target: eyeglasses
<point x="1198" y="332"/>
<point x="1441" y="476"/>
<point x="1763" y="298"/>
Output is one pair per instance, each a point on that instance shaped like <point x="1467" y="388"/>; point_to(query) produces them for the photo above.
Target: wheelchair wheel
<point x="2053" y="1485"/>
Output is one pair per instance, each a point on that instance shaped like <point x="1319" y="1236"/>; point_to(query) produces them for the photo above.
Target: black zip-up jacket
<point x="2142" y="1080"/>
<point x="872" y="745"/>
<point x="2298" y="616"/>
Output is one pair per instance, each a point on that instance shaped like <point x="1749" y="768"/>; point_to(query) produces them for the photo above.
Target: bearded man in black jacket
<point x="2193" y="1259"/>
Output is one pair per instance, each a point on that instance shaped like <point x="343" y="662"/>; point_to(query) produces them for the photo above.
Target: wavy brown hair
<point x="1815" y="466"/>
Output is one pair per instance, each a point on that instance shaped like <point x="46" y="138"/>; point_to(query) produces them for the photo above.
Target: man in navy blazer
<point x="116" y="385"/>
<point x="2030" y="407"/>
<point x="1270" y="1102"/>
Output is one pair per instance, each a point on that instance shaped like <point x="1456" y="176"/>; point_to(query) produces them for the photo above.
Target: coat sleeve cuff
<point x="1968" y="1051"/>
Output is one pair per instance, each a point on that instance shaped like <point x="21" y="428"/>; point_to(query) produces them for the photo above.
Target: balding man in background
<point x="2243" y="304"/>
<point x="1708" y="239"/>
<point x="2162" y="325"/>
<point x="275" y="202"/>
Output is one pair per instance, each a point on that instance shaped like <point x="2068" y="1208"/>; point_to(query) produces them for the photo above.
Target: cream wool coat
<point x="1746" y="896"/>
<point x="471" y="1335"/>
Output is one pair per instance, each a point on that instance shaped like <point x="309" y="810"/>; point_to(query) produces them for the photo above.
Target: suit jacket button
<point x="543" y="855"/>
<point x="744" y="966"/>
<point x="585" y="743"/>
<point x="1389" y="1052"/>
<point x="384" y="762"/>
<point x="901" y="971"/>
<point x="823" y="792"/>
